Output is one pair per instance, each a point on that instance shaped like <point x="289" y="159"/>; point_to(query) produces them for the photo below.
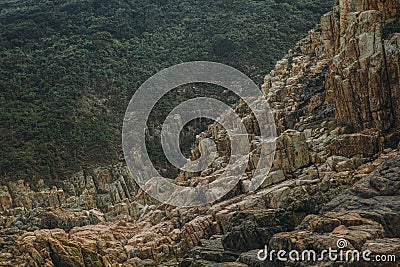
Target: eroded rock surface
<point x="367" y="216"/>
<point x="335" y="99"/>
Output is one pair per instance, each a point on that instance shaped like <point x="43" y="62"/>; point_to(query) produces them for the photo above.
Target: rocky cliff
<point x="335" y="97"/>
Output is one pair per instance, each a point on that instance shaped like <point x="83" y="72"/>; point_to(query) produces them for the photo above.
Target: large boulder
<point x="253" y="229"/>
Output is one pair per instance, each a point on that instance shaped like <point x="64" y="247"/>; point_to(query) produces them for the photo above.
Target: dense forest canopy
<point x="69" y="67"/>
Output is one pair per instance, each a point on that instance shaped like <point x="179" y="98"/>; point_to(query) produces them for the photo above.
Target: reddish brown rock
<point x="360" y="75"/>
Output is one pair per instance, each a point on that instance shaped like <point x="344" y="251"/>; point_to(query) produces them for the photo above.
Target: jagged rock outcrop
<point x="88" y="198"/>
<point x="355" y="81"/>
<point x="105" y="189"/>
<point x="335" y="97"/>
<point x="364" y="68"/>
<point x="367" y="216"/>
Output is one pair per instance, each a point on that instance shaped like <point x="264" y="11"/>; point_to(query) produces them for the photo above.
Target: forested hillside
<point x="69" y="67"/>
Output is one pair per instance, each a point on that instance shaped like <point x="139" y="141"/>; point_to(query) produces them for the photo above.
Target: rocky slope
<point x="335" y="175"/>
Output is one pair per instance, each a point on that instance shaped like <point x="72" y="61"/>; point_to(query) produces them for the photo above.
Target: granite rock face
<point x="335" y="98"/>
<point x="364" y="66"/>
<point x="367" y="216"/>
<point x="340" y="89"/>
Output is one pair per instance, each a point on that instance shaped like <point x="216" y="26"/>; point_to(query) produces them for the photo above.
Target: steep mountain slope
<point x="68" y="68"/>
<point x="335" y="173"/>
